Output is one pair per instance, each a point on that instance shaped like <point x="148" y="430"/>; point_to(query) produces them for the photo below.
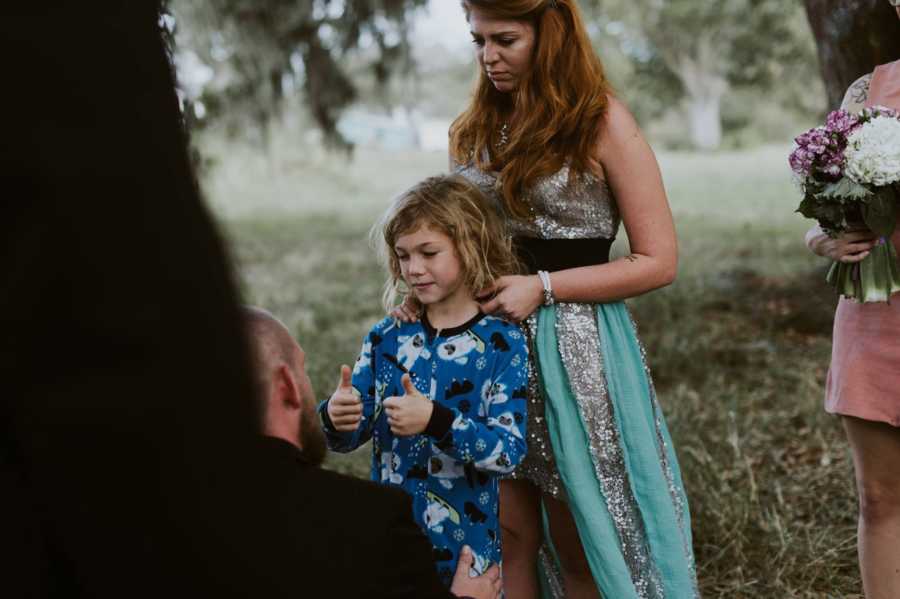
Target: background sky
<point x="443" y="23"/>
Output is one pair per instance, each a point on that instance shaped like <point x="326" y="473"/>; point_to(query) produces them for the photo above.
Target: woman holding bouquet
<point x="863" y="383"/>
<point x="565" y="162"/>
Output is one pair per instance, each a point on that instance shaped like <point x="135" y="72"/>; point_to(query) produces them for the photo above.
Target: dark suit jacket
<point x="357" y="539"/>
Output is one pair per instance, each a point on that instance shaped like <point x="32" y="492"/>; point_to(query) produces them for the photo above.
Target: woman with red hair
<point x="566" y="162"/>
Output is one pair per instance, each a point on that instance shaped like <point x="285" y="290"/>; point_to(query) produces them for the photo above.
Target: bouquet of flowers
<point x="849" y="172"/>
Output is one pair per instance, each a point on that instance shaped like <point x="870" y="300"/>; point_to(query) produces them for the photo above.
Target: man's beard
<point x="312" y="439"/>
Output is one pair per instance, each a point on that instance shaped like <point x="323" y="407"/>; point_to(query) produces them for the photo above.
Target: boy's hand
<point x="408" y="414"/>
<point x="344" y="407"/>
<point x="486" y="586"/>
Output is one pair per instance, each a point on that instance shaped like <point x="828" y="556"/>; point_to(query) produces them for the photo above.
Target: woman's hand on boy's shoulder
<point x="513" y="297"/>
<point x="408" y="311"/>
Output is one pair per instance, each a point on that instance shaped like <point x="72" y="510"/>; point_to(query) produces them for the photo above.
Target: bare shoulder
<point x="618" y="124"/>
<point x="857" y="94"/>
<point x="618" y="134"/>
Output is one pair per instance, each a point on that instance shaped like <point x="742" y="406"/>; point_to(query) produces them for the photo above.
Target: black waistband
<point x="560" y="254"/>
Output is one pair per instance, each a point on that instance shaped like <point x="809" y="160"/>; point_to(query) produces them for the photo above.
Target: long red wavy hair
<point x="558" y="106"/>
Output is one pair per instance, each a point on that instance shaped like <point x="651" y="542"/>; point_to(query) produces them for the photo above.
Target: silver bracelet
<point x="549" y="300"/>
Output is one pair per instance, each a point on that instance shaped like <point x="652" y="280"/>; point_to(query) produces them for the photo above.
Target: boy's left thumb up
<point x="408" y="386"/>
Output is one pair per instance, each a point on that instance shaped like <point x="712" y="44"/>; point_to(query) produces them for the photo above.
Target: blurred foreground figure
<point x="126" y="399"/>
<point x="366" y="541"/>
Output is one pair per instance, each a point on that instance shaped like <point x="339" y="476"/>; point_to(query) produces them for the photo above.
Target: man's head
<point x="287" y="404"/>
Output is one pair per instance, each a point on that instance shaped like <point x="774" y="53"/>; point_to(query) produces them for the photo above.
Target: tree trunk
<point x="852" y="36"/>
<point x="704" y="86"/>
<point x="705" y="121"/>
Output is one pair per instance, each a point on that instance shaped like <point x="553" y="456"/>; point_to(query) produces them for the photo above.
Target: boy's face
<point x="430" y="266"/>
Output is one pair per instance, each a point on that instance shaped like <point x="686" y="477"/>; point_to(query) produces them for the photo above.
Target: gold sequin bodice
<point x="562" y="206"/>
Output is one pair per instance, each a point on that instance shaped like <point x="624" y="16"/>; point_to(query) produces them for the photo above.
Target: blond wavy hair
<point x="560" y="103"/>
<point x="457" y="208"/>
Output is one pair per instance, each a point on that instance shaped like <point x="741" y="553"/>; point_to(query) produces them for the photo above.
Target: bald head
<point x="286" y="401"/>
<point x="272" y="344"/>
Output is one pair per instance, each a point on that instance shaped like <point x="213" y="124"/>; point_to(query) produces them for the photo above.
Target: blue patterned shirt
<point x="476" y="375"/>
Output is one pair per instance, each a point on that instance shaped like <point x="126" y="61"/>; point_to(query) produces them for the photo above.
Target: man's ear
<point x="288" y="389"/>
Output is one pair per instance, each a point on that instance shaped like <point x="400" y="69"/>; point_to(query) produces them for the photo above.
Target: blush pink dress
<point x="864" y="378"/>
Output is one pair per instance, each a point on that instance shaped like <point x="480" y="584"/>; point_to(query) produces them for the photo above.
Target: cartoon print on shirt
<point x="457" y="349"/>
<point x="506" y="421"/>
<point x="492" y="394"/>
<point x="440" y="465"/>
<point x="459" y="388"/>
<point x="498" y="460"/>
<point x="499" y="342"/>
<point x="390" y="467"/>
<point x="437" y="511"/>
<point x="412" y="347"/>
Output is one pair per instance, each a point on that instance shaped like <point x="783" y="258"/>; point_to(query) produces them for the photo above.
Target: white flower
<point x="873" y="152"/>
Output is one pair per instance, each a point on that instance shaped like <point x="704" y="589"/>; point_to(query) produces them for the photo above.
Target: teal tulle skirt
<point x="623" y="485"/>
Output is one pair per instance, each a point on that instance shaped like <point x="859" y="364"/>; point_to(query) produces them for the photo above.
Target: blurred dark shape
<point x="853" y="37"/>
<point x="128" y="464"/>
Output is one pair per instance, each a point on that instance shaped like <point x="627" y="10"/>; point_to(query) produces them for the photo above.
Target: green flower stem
<point x="872" y="280"/>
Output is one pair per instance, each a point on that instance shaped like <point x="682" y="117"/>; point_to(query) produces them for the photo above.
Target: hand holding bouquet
<point x="849" y="171"/>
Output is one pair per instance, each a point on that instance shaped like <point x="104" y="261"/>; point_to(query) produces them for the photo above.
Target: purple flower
<point x="841" y="122"/>
<point x="820" y="151"/>
<point x="819" y="156"/>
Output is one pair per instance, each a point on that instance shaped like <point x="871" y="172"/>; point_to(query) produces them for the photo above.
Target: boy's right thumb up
<point x="346" y="373"/>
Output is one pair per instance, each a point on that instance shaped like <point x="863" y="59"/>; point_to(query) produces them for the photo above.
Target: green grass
<point x="738" y="345"/>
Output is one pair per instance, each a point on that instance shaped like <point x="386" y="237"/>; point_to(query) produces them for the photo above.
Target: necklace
<point x="504" y="136"/>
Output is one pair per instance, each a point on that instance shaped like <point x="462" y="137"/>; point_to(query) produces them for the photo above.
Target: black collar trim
<point x="450" y="332"/>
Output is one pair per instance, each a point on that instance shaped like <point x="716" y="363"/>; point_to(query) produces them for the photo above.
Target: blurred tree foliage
<point x="709" y="66"/>
<point x="693" y="52"/>
<point x="262" y="50"/>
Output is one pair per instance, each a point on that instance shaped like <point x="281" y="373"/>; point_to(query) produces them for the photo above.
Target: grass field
<point x="738" y="345"/>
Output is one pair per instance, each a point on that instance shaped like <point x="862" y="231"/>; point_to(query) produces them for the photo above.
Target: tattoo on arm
<point x="858" y="93"/>
<point x="631" y="257"/>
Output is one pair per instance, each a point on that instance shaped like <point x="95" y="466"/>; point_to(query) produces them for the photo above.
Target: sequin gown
<point x="596" y="436"/>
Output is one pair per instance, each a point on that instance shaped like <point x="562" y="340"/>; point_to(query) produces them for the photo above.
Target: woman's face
<point x="504" y="48"/>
